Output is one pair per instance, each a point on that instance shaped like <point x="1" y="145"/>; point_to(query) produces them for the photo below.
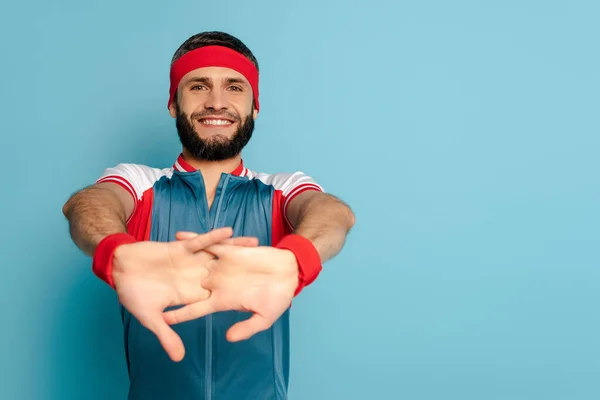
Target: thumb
<point x="246" y="329"/>
<point x="168" y="338"/>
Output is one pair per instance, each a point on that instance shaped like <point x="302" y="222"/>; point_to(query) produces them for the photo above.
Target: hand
<point x="261" y="280"/>
<point x="151" y="276"/>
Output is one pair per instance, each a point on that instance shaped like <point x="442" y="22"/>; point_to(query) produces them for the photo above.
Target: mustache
<point x="222" y="113"/>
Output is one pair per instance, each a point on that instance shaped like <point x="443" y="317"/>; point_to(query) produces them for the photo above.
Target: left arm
<point x="323" y="219"/>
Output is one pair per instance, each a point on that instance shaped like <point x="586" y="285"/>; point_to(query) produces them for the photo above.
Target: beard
<point x="217" y="148"/>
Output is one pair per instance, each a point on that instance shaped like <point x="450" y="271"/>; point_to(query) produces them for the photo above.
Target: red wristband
<point x="309" y="260"/>
<point x="103" y="256"/>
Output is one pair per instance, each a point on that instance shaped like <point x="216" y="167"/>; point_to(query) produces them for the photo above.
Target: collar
<point x="182" y="166"/>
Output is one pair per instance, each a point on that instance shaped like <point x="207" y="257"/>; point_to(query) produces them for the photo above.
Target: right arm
<point x="96" y="212"/>
<point x="148" y="276"/>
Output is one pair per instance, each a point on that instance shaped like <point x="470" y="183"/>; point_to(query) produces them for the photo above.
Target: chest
<point x="245" y="205"/>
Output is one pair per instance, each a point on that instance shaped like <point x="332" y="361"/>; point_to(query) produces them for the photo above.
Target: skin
<point x="150" y="276"/>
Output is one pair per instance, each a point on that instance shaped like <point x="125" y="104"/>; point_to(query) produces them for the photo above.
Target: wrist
<point x="104" y="256"/>
<point x="290" y="270"/>
<point x="307" y="257"/>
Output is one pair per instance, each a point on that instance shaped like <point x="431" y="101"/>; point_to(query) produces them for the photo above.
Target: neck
<point x="211" y="170"/>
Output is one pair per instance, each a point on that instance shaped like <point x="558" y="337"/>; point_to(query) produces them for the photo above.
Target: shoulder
<point x="286" y="182"/>
<point x="138" y="170"/>
<point x="136" y="178"/>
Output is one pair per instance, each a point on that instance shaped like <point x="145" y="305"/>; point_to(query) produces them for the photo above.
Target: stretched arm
<point x="96" y="212"/>
<point x="147" y="276"/>
<point x="323" y="219"/>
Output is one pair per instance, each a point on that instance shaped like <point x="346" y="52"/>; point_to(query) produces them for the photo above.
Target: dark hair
<point x="214" y="38"/>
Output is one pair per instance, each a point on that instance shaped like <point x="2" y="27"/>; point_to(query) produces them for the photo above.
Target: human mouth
<point x="215" y="122"/>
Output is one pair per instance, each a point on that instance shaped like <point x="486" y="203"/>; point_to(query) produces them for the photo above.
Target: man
<point x="208" y="253"/>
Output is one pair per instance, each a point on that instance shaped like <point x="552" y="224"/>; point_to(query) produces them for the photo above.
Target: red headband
<point x="213" y="56"/>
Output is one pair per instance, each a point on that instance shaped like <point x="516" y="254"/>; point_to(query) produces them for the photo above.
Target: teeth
<point x="216" y="122"/>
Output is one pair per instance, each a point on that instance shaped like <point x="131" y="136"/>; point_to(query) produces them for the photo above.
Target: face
<point x="214" y="113"/>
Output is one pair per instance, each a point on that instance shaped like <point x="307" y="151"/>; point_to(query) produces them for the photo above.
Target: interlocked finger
<point x="204" y="240"/>
<point x="192" y="311"/>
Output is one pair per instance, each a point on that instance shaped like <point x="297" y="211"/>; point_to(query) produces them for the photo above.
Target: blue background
<point x="464" y="134"/>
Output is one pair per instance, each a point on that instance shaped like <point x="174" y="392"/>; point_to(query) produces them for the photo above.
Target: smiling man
<point x="208" y="253"/>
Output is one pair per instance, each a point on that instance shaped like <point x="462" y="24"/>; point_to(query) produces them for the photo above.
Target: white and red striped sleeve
<point x="290" y="185"/>
<point x="135" y="178"/>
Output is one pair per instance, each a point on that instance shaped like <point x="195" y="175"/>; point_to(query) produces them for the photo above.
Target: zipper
<point x="209" y="353"/>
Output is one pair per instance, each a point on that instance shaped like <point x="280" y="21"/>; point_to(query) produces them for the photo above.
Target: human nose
<point x="216" y="100"/>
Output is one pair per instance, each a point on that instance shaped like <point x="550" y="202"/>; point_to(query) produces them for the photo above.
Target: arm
<point x="323" y="219"/>
<point x="147" y="276"/>
<point x="96" y="212"/>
